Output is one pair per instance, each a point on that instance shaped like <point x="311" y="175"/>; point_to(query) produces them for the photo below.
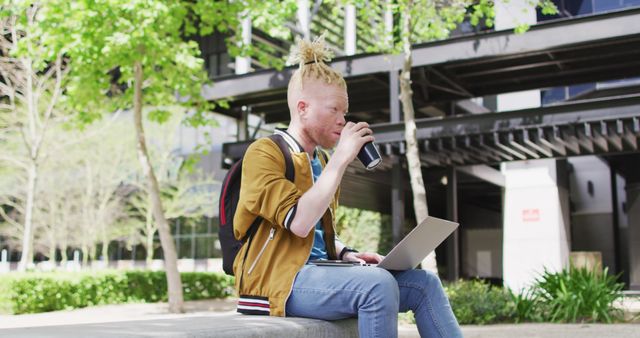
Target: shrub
<point x="525" y="307"/>
<point x="477" y="302"/>
<point x="5" y="295"/>
<point x="30" y="292"/>
<point x="572" y="295"/>
<point x="148" y="286"/>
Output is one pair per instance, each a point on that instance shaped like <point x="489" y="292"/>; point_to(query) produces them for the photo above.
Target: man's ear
<point x="301" y="108"/>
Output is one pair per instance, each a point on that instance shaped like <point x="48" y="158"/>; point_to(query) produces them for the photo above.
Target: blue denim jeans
<point x="375" y="296"/>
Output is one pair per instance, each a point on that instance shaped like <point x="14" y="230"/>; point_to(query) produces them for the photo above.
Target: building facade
<point x="527" y="140"/>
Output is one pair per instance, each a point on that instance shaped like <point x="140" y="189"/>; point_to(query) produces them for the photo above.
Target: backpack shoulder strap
<point x="288" y="162"/>
<point x="289" y="174"/>
<point x="324" y="155"/>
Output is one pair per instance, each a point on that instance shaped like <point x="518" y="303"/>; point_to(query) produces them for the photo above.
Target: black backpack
<point x="229" y="195"/>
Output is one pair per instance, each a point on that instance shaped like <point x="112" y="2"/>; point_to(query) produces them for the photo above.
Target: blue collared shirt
<point x="319" y="250"/>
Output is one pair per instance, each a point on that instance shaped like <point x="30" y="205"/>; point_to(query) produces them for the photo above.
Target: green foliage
<point x="429" y="20"/>
<point x="270" y="17"/>
<point x="525" y="307"/>
<point x="363" y="229"/>
<point x="41" y="292"/>
<point x="5" y="294"/>
<point x="482" y="9"/>
<point x="198" y="285"/>
<point x="106" y="38"/>
<point x="521" y="28"/>
<point x="476" y="302"/>
<point x="571" y="295"/>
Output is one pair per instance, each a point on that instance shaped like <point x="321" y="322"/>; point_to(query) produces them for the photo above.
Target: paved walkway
<point x="136" y="320"/>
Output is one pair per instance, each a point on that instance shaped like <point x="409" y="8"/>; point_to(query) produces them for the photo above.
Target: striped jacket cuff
<point x="290" y="215"/>
<point x="253" y="305"/>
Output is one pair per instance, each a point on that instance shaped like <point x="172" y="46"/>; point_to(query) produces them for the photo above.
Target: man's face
<point x="323" y="118"/>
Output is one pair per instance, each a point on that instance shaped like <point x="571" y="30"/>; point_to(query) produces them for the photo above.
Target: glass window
<point x="212" y="64"/>
<point x="553" y="95"/>
<point x="158" y="253"/>
<point x="580" y="89"/>
<point x="579" y="7"/>
<point x="202" y="225"/>
<point x="630" y="3"/>
<point x="204" y="247"/>
<point x="224" y="64"/>
<point x="606" y="5"/>
<point x="185" y="248"/>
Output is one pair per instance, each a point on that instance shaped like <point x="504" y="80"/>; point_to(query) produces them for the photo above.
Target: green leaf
<point x="159" y="115"/>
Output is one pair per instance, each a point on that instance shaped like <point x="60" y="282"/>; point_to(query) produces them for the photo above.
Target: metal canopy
<point x="589" y="127"/>
<point x="557" y="53"/>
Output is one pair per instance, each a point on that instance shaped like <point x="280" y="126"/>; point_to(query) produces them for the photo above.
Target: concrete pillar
<point x="243" y="64"/>
<point x="243" y="124"/>
<point x="397" y="181"/>
<point x="633" y="214"/>
<point x="536" y="220"/>
<point x="394" y="96"/>
<point x="592" y="224"/>
<point x="622" y="222"/>
<point x="397" y="200"/>
<point x="512" y="13"/>
<point x="453" y="242"/>
<point x="349" y="29"/>
<point x="536" y="216"/>
<point x="509" y="14"/>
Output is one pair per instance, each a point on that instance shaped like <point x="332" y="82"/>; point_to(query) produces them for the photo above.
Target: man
<point x="272" y="271"/>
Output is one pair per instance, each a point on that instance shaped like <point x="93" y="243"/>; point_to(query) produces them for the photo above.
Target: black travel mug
<point x="369" y="155"/>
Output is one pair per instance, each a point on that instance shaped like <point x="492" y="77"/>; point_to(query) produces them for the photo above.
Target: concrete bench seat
<point x="264" y="326"/>
<point x="222" y="325"/>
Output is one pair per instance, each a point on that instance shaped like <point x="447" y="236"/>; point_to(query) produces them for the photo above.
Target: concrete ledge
<point x="201" y="326"/>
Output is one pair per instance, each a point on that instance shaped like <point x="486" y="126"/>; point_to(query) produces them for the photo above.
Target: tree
<point x="132" y="54"/>
<point x="79" y="198"/>
<point x="420" y="21"/>
<point x="99" y="169"/>
<point x="185" y="193"/>
<point x="135" y="54"/>
<point x="32" y="74"/>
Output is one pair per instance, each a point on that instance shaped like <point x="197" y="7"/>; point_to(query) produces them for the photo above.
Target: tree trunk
<point x="413" y="156"/>
<point x="27" y="240"/>
<point x="149" y="232"/>
<point x="32" y="175"/>
<point x="85" y="255"/>
<point x="166" y="240"/>
<point x="52" y="252"/>
<point x="64" y="237"/>
<point x="105" y="251"/>
<point x="64" y="258"/>
<point x="52" y="235"/>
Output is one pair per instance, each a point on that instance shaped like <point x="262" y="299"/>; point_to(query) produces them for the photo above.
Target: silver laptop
<point x="413" y="248"/>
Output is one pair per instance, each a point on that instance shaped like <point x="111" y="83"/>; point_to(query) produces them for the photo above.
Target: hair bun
<point x="309" y="52"/>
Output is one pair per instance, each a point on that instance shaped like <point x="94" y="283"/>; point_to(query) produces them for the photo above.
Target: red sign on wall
<point x="530" y="215"/>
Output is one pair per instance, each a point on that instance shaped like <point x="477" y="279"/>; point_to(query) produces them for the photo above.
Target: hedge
<point x="42" y="292"/>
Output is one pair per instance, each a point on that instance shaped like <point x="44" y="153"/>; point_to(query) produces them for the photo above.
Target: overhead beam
<point x="485" y="173"/>
<point x="542" y="36"/>
<point x="585" y="111"/>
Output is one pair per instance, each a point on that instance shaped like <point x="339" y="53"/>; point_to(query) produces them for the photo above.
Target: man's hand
<point x="363" y="257"/>
<point x="352" y="138"/>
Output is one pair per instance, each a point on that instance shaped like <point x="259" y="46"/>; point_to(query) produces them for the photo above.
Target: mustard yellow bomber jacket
<point x="266" y="266"/>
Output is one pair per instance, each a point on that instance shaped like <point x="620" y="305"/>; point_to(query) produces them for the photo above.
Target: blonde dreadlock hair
<point x="311" y="56"/>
